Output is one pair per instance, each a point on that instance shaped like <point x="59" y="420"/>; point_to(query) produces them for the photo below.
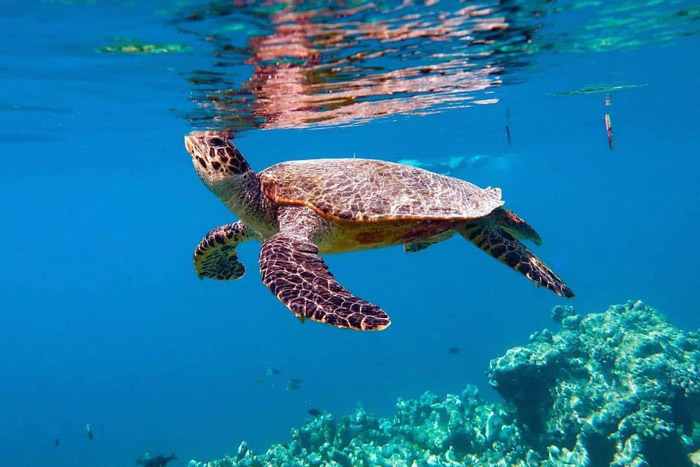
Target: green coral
<point x="131" y="46"/>
<point x="619" y="388"/>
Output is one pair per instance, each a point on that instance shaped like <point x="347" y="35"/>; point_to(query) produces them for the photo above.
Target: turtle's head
<point x="215" y="158"/>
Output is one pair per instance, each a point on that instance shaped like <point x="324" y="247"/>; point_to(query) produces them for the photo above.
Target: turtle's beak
<point x="214" y="156"/>
<point x="196" y="145"/>
<point x="193" y="143"/>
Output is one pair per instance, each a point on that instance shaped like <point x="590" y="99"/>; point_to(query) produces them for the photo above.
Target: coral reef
<point x="430" y="431"/>
<point x="618" y="388"/>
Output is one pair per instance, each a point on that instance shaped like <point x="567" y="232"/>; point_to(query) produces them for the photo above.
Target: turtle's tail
<point x="490" y="237"/>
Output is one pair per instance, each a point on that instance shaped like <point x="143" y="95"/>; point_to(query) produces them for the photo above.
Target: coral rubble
<point x="619" y="388"/>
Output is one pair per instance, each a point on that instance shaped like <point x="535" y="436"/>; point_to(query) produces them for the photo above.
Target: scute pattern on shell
<point x="362" y="190"/>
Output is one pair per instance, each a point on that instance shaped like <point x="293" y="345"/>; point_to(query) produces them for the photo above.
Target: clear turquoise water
<point x="103" y="319"/>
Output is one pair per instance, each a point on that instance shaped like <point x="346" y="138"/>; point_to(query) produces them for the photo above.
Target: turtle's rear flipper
<point x="215" y="257"/>
<point x="491" y="238"/>
<point x="414" y="247"/>
<point x="291" y="268"/>
<point x="515" y="225"/>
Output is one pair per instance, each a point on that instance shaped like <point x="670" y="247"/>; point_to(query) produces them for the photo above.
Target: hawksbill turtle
<point x="300" y="209"/>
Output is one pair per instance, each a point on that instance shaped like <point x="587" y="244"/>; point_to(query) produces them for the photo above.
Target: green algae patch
<point x="618" y="388"/>
<point x="123" y="46"/>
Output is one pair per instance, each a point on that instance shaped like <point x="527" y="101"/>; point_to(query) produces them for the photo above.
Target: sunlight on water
<point x="320" y="63"/>
<point x="339" y="63"/>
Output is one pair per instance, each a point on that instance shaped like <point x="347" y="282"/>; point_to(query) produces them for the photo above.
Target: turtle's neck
<point x="243" y="196"/>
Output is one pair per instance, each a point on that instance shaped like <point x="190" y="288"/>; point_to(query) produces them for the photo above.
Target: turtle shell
<point x="362" y="190"/>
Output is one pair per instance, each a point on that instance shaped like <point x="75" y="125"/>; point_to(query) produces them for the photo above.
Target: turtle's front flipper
<point x="215" y="257"/>
<point x="491" y="238"/>
<point x="291" y="268"/>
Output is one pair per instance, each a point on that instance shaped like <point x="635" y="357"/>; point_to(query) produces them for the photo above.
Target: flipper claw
<point x="216" y="258"/>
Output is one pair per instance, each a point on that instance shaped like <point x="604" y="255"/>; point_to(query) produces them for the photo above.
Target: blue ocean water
<point x="103" y="318"/>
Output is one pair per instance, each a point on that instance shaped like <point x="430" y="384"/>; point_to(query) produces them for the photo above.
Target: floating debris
<point x="453" y="350"/>
<point x="90" y="434"/>
<point x="314" y="412"/>
<point x="609" y="131"/>
<point x="598" y="89"/>
<point x="124" y="46"/>
<point x="293" y="384"/>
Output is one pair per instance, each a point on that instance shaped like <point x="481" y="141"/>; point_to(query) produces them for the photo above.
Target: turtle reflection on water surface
<point x="299" y="209"/>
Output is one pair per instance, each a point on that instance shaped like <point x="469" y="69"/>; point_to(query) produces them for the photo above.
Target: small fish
<point x="272" y="371"/>
<point x="597" y="89"/>
<point x="453" y="350"/>
<point x="609" y="131"/>
<point x="259" y="382"/>
<point x="314" y="412"/>
<point x="293" y="384"/>
<point x="90" y="434"/>
<point x="510" y="145"/>
<point x="57" y="442"/>
<point x="159" y="461"/>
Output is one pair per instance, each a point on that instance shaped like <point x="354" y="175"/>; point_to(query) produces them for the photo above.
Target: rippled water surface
<point x="583" y="113"/>
<point x="335" y="63"/>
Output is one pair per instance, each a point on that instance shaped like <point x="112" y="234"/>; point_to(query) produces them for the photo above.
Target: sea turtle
<point x="299" y="209"/>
